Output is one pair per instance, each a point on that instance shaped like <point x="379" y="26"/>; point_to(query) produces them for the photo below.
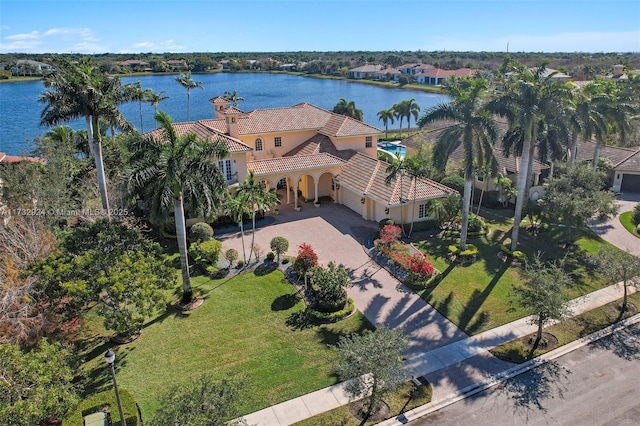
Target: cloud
<point x="62" y="39"/>
<point x="33" y="35"/>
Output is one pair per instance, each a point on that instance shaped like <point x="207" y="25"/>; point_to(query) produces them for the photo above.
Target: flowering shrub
<point x="418" y="264"/>
<point x="306" y="259"/>
<point x="390" y="233"/>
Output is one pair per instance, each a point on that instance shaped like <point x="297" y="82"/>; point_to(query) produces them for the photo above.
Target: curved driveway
<point x="336" y="234"/>
<point x="613" y="231"/>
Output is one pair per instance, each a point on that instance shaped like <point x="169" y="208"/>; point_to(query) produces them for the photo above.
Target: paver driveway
<point x="613" y="231"/>
<point x="336" y="234"/>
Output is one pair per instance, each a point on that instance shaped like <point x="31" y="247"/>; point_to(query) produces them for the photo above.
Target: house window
<point x="225" y="168"/>
<point x="277" y="141"/>
<point x="368" y="142"/>
<point x="423" y="211"/>
<point x="258" y="144"/>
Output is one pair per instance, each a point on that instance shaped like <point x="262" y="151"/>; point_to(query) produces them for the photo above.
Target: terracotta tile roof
<point x="509" y="164"/>
<point x="204" y="132"/>
<point x="318" y="144"/>
<point x="4" y="158"/>
<point x="303" y="116"/>
<point x="232" y="110"/>
<point x="366" y="68"/>
<point x="294" y="163"/>
<point x="220" y="100"/>
<point x="366" y="175"/>
<point x="437" y="72"/>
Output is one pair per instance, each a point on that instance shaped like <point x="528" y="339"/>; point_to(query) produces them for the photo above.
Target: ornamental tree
<point x="372" y="363"/>
<point x="390" y="233"/>
<point x="619" y="266"/>
<point x="306" y="259"/>
<point x="279" y="245"/>
<point x="543" y="295"/>
<point x="204" y="402"/>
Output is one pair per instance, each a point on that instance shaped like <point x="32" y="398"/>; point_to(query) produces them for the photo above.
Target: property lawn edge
<point x="626" y="221"/>
<point x="501" y="351"/>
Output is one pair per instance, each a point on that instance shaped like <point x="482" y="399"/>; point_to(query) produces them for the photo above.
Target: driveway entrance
<point x="336" y="234"/>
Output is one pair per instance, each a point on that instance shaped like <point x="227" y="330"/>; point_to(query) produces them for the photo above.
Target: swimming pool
<point x="393" y="148"/>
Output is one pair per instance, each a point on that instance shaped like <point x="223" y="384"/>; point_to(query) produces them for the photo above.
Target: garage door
<point x="352" y="200"/>
<point x="630" y="183"/>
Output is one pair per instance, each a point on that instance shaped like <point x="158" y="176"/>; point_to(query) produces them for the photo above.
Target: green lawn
<point x="480" y="296"/>
<point x="626" y="219"/>
<point x="241" y="327"/>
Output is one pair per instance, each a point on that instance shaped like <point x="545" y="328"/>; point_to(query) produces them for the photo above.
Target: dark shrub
<point x="328" y="286"/>
<point x="206" y="253"/>
<point x="200" y="232"/>
<point x="385" y="222"/>
<point x="270" y="256"/>
<point x="476" y="224"/>
<point x="636" y="214"/>
<point x="454" y="182"/>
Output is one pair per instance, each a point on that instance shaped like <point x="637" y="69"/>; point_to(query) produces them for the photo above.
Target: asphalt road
<point x="594" y="385"/>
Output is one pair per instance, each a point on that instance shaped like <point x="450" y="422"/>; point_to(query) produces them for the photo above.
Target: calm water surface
<point x="20" y="110"/>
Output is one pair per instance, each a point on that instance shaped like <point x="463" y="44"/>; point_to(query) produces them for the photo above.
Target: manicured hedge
<point x="98" y="401"/>
<point x="469" y="253"/>
<point x="517" y="255"/>
<point x="416" y="284"/>
<point x="325" y="317"/>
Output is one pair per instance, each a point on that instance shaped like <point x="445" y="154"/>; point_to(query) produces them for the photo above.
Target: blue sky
<point x="99" y="26"/>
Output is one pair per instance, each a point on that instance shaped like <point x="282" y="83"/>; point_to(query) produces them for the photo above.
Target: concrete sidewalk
<point x="450" y="369"/>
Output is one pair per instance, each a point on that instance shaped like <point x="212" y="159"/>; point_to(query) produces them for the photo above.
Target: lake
<point x="20" y="109"/>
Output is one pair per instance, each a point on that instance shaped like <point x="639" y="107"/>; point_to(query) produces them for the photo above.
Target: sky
<point x="159" y="26"/>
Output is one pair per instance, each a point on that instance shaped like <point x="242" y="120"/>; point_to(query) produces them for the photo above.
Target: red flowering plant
<point x="390" y="233"/>
<point x="306" y="259"/>
<point x="420" y="265"/>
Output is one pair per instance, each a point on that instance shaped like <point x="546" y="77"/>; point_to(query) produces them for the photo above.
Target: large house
<point x="310" y="155"/>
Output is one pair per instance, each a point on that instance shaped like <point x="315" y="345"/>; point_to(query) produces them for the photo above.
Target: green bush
<point x="470" y="252"/>
<point x="517" y="255"/>
<point x="426" y="225"/>
<point x="638" y="229"/>
<point x="240" y="264"/>
<point x="206" y="253"/>
<point x="476" y="224"/>
<point x="98" y="401"/>
<point x="454" y="182"/>
<point x="200" y="232"/>
<point x="636" y="214"/>
<point x="231" y="255"/>
<point x="270" y="256"/>
<point x="328" y="287"/>
<point x="287" y="259"/>
<point x="416" y="282"/>
<point x="331" y="316"/>
<point x="385" y="222"/>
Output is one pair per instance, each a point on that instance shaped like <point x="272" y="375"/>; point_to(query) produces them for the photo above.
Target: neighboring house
<point x="559" y="76"/>
<point x="365" y="71"/>
<point x="387" y="74"/>
<point x="437" y="76"/>
<point x="177" y="63"/>
<point x="12" y="159"/>
<point x="27" y="66"/>
<point x="625" y="164"/>
<point x="134" y="64"/>
<point x="415" y="68"/>
<point x="311" y="153"/>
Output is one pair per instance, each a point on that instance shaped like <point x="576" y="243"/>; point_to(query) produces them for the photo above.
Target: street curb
<point x="495" y="379"/>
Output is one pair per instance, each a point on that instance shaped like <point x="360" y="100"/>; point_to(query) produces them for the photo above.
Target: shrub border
<point x="330" y="317"/>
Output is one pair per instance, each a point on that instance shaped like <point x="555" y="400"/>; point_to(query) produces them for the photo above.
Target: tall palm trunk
<point x="466" y="204"/>
<point x="89" y="133"/>
<point x="181" y="235"/>
<point x="413" y="208"/>
<point x="596" y="154"/>
<point x="188" y="104"/>
<point x="253" y="235"/>
<point x="244" y="253"/>
<point x="574" y="147"/>
<point x="484" y="188"/>
<point x="102" y="178"/>
<point x="522" y="186"/>
<point x="141" y="126"/>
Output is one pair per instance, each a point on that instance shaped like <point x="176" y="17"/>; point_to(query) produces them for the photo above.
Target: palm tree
<point x="344" y="107"/>
<point x="527" y="101"/>
<point x="237" y="206"/>
<point x="400" y="112"/>
<point x="474" y="128"/>
<point x="135" y="93"/>
<point x="173" y="172"/>
<point x="411" y="109"/>
<point x="154" y="99"/>
<point x="385" y="115"/>
<point x="257" y="198"/>
<point x="185" y="81"/>
<point x="416" y="170"/>
<point x="397" y="170"/>
<point x="78" y="89"/>
<point x="233" y="97"/>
